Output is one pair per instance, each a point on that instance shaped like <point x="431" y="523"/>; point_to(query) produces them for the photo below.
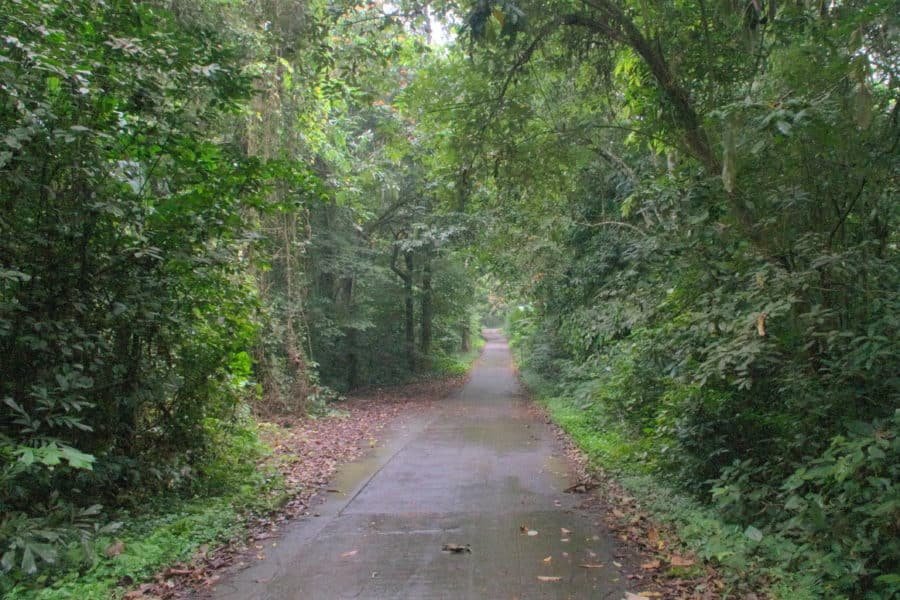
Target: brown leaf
<point x="548" y="578"/>
<point x="591" y="566"/>
<point x="651" y="565"/>
<point x="680" y="561"/>
<point x="349" y="554"/>
<point x="630" y="596"/>
<point x="761" y="324"/>
<point x="547" y="560"/>
<point x="115" y="549"/>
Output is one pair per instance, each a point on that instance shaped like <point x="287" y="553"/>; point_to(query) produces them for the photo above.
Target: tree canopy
<point x="687" y="211"/>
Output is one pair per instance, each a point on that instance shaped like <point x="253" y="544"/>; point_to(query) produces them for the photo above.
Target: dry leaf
<point x="115" y="549"/>
<point x="547" y="560"/>
<point x="630" y="596"/>
<point x="456" y="548"/>
<point x="761" y="324"/>
<point x="548" y="578"/>
<point x="565" y="531"/>
<point x="680" y="561"/>
<point x="349" y="554"/>
<point x="617" y="564"/>
<point x="651" y="565"/>
<point x="651" y="594"/>
<point x="591" y="566"/>
<point x="564" y="540"/>
<point x="532" y="532"/>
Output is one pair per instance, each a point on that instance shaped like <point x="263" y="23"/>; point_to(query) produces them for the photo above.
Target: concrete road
<point x="478" y="471"/>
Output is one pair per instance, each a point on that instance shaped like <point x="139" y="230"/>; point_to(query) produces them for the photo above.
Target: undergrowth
<point x="163" y="529"/>
<point x="744" y="555"/>
<point x="452" y="365"/>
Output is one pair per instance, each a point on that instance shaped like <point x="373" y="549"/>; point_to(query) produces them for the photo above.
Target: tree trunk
<point x="427" y="304"/>
<point x="350" y="336"/>
<point x="408" y="298"/>
<point x="410" y="345"/>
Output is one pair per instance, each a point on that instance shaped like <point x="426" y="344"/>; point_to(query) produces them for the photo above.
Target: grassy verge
<point x="747" y="560"/>
<point x="168" y="529"/>
<point x="458" y="364"/>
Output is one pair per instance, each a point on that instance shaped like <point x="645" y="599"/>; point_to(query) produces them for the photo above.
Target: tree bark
<point x="427" y="303"/>
<point x="408" y="300"/>
<point x="410" y="314"/>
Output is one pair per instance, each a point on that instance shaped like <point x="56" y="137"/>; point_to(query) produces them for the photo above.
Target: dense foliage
<point x="222" y="205"/>
<point x="202" y="203"/>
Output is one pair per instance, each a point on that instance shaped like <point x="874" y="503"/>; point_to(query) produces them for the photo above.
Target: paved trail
<point x="472" y="472"/>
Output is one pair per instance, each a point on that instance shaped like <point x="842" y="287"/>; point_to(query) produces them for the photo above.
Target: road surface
<point x="479" y="470"/>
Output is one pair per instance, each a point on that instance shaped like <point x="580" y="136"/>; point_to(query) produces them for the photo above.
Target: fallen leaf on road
<point x="651" y="565"/>
<point x="630" y="596"/>
<point x="456" y="548"/>
<point x="532" y="532"/>
<point x="680" y="561"/>
<point x="548" y="578"/>
<point x="565" y="531"/>
<point x="547" y="560"/>
<point x="617" y="564"/>
<point x="651" y="594"/>
<point x="349" y="554"/>
<point x="591" y="566"/>
<point x="564" y="540"/>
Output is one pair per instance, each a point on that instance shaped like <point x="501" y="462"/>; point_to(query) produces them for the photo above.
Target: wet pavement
<point x="479" y="470"/>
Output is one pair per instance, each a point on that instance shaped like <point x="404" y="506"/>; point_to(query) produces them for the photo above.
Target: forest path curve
<point x="480" y="469"/>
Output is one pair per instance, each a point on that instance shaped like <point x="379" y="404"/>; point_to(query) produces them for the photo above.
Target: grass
<point x="169" y="528"/>
<point x="452" y="365"/>
<point x="151" y="543"/>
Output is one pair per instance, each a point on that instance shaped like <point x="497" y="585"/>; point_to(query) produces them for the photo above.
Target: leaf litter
<point x="644" y="549"/>
<point x="307" y="451"/>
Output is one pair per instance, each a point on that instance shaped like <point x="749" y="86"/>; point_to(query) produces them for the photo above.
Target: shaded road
<point x="473" y="471"/>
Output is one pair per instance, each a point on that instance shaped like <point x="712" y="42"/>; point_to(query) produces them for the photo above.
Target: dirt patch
<point x="307" y="451"/>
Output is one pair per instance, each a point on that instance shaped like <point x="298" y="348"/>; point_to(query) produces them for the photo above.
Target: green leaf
<point x="77" y="459"/>
<point x="28" y="563"/>
<point x="753" y="533"/>
<point x="26" y="455"/>
<point x="8" y="560"/>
